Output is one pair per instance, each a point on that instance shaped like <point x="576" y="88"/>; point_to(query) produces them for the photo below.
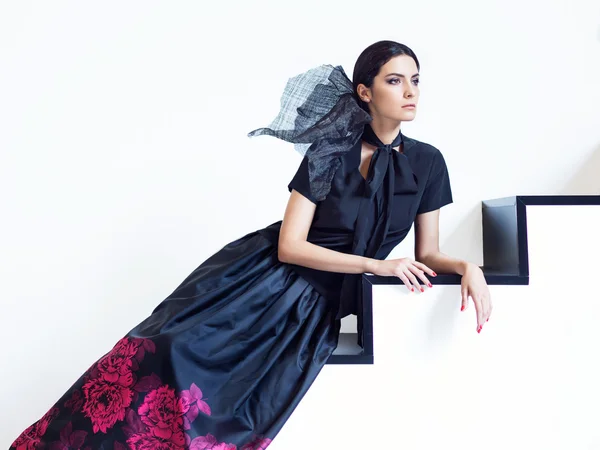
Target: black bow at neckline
<point x="382" y="182"/>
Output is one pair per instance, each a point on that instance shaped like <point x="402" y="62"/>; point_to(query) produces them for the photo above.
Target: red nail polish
<point x="488" y="319"/>
<point x="422" y="290"/>
<point x="412" y="289"/>
<point x="429" y="284"/>
<point x="462" y="308"/>
<point x="434" y="274"/>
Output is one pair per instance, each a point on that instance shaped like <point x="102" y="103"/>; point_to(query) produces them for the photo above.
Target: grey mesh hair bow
<point x="321" y="117"/>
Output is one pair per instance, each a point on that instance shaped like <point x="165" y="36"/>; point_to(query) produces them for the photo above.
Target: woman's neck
<point x="386" y="130"/>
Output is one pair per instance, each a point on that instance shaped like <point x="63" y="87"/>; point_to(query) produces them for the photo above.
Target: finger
<point x="465" y="299"/>
<point x="486" y="309"/>
<point x="481" y="317"/>
<point x="418" y="272"/>
<point x="424" y="268"/>
<point x="413" y="280"/>
<point x="479" y="311"/>
<point x="488" y="303"/>
<point x="406" y="281"/>
<point x="487" y="306"/>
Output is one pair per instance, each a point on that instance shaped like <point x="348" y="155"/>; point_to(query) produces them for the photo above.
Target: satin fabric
<point x="220" y="364"/>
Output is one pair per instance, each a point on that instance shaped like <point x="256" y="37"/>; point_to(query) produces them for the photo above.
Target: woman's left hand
<point x="473" y="284"/>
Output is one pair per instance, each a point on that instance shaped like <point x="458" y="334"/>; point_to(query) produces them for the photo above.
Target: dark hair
<point x="372" y="59"/>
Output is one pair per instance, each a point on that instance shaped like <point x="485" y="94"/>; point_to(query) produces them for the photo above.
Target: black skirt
<point x="220" y="364"/>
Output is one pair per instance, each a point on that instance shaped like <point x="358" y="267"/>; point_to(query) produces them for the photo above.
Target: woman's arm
<point x="427" y="248"/>
<point x="473" y="282"/>
<point x="295" y="249"/>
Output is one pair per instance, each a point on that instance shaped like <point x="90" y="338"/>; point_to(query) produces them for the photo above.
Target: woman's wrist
<point x="466" y="266"/>
<point x="369" y="265"/>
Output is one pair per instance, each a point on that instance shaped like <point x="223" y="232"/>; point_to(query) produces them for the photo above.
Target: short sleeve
<point x="438" y="192"/>
<point x="301" y="182"/>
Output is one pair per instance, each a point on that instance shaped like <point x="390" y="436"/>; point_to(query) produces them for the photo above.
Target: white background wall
<point x="124" y="160"/>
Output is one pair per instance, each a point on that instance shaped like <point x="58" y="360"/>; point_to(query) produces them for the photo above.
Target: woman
<point x="223" y="361"/>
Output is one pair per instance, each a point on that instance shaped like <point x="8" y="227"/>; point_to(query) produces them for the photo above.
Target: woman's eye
<point x="393" y="81"/>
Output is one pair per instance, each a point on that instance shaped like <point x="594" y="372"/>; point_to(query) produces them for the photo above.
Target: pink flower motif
<point x="224" y="446"/>
<point x="30" y="438"/>
<point x="258" y="444"/>
<point x="117" y="364"/>
<point x="162" y="411"/>
<point x="150" y="442"/>
<point x="46" y="419"/>
<point x="192" y="400"/>
<point x="105" y="403"/>
<point x="209" y="442"/>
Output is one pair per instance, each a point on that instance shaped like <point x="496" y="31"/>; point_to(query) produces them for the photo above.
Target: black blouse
<point x="335" y="217"/>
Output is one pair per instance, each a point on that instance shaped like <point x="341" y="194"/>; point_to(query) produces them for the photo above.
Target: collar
<point x="370" y="137"/>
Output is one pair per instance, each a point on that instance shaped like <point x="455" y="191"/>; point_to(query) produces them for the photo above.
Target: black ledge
<point x="505" y="262"/>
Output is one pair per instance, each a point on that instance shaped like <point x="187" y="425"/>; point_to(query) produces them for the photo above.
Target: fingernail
<point x="462" y="308"/>
<point x="434" y="274"/>
<point x="429" y="284"/>
<point x="422" y="290"/>
<point x="412" y="289"/>
<point x="488" y="319"/>
<point x="479" y="329"/>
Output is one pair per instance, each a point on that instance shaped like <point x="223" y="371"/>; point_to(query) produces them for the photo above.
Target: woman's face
<point x="395" y="86"/>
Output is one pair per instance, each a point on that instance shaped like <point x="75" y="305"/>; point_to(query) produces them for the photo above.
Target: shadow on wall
<point x="586" y="180"/>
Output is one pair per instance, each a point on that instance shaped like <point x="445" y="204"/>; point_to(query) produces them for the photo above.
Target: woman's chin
<point x="407" y="117"/>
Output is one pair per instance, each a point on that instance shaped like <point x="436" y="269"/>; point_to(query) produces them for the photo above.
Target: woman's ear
<point x="364" y="93"/>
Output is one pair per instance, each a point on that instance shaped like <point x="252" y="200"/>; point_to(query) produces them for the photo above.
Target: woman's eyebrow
<point x="401" y="76"/>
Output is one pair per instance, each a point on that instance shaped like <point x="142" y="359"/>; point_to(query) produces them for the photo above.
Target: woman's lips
<point x="409" y="106"/>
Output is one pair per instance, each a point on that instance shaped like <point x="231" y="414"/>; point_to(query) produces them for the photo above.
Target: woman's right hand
<point x="408" y="270"/>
